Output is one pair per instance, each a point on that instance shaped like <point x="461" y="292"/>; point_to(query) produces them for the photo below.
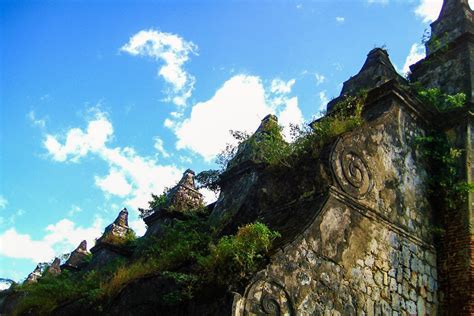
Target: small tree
<point x="157" y="202"/>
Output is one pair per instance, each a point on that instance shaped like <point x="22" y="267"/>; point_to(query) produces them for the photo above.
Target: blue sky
<point x="102" y="103"/>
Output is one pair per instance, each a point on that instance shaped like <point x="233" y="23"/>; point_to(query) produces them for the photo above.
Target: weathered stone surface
<point x="148" y="296"/>
<point x="54" y="268"/>
<point x="239" y="182"/>
<point x="360" y="242"/>
<point x="376" y="71"/>
<point x="181" y="199"/>
<point x="455" y="19"/>
<point x="184" y="196"/>
<point x="36" y="274"/>
<point x="77" y="258"/>
<point x="449" y="66"/>
<point x="109" y="246"/>
<point x="118" y="229"/>
<point x="356" y="218"/>
<point x="450" y="61"/>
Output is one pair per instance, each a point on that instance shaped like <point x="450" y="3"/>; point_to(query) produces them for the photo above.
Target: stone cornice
<point x="375" y="216"/>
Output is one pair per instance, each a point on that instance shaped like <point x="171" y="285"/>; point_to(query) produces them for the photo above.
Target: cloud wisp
<point x="172" y="51"/>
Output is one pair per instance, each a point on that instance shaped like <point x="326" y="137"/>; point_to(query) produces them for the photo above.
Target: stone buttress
<point x="449" y="66"/>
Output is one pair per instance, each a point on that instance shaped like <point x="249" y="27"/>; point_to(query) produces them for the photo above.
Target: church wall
<point x="370" y="250"/>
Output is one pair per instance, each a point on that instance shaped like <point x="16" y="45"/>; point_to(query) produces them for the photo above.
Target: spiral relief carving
<point x="351" y="171"/>
<point x="265" y="297"/>
<point x="270" y="305"/>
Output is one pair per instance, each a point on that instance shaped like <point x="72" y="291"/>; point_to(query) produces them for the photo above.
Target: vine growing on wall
<point x="441" y="101"/>
<point x="448" y="189"/>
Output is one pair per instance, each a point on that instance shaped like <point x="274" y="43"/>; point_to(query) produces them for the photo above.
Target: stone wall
<point x="451" y="71"/>
<point x="369" y="251"/>
<point x="346" y="263"/>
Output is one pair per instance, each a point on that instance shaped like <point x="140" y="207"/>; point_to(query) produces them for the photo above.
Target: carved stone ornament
<point x="265" y="297"/>
<point x="350" y="169"/>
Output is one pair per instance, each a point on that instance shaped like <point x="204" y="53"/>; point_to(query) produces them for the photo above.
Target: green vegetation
<point x="447" y="189"/>
<point x="208" y="179"/>
<point x="446" y="186"/>
<point x="189" y="242"/>
<point x="270" y="148"/>
<point x="441" y="101"/>
<point x="51" y="291"/>
<point x="346" y="115"/>
<point x="126" y="240"/>
<point x="157" y="202"/>
<point x="449" y="192"/>
<point x="235" y="258"/>
<point x="225" y="262"/>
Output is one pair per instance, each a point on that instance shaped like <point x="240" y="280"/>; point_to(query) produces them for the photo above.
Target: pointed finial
<point x="267" y="122"/>
<point x="82" y="246"/>
<point x="122" y="218"/>
<point x="55" y="268"/>
<point x="377" y="69"/>
<point x="188" y="179"/>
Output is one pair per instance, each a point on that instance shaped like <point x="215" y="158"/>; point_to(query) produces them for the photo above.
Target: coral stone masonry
<point x="363" y="232"/>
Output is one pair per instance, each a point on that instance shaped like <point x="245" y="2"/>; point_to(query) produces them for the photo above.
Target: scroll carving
<point x="351" y="171"/>
<point x="265" y="297"/>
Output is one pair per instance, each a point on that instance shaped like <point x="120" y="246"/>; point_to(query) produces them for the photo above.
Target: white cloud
<point x="159" y="147"/>
<point x="3" y="202"/>
<point x="281" y="87"/>
<point x="64" y="236"/>
<point x="61" y="237"/>
<point x="185" y="160"/>
<point x="417" y="53"/>
<point x="340" y="19"/>
<point x="208" y="195"/>
<point x="40" y="122"/>
<point x="324" y="101"/>
<point x="429" y="10"/>
<point x="291" y="114"/>
<point x="173" y="51"/>
<point x="130" y="175"/>
<point x="15" y="245"/>
<point x="239" y="104"/>
<point x="144" y="174"/>
<point x="319" y="78"/>
<point x="114" y="183"/>
<point x="78" y="143"/>
<point x="138" y="226"/>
